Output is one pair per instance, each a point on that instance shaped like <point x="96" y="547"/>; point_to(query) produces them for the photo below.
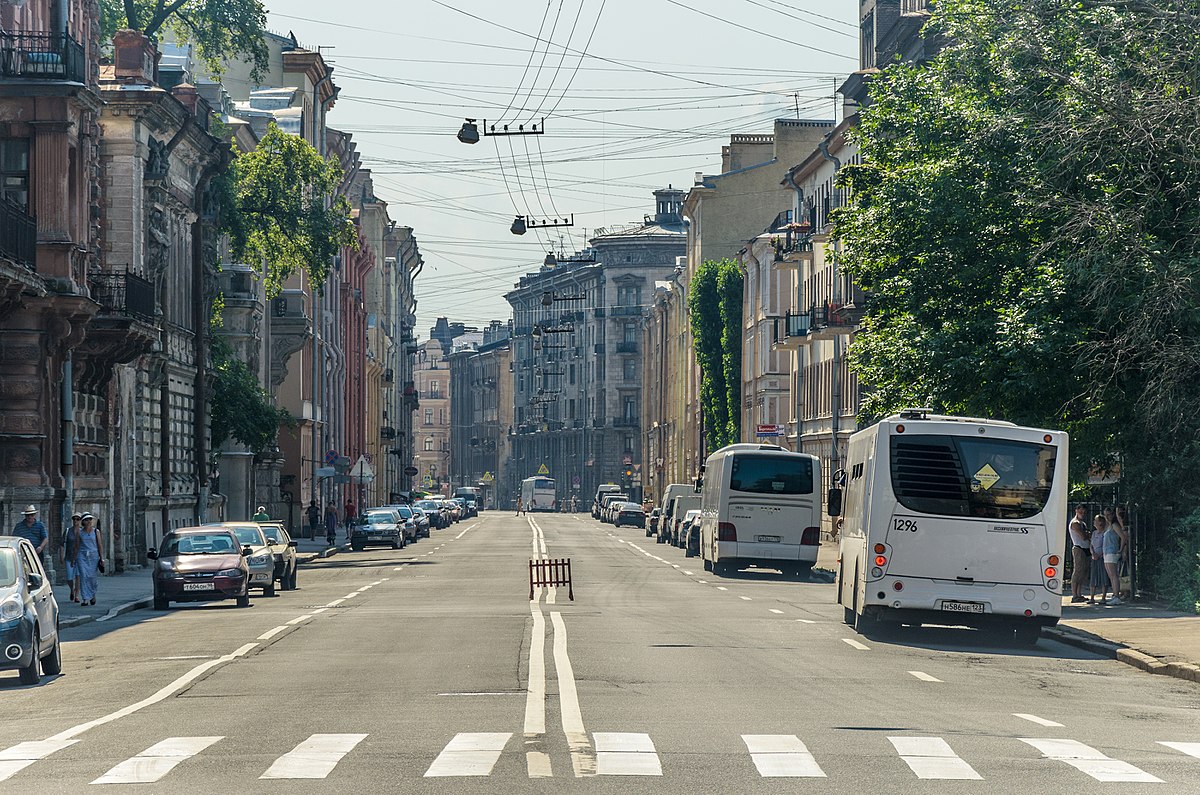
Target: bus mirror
<point x="833" y="505"/>
<point x="699" y="485"/>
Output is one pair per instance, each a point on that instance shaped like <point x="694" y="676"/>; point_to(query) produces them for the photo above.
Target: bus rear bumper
<point x="929" y="602"/>
<point x="908" y="615"/>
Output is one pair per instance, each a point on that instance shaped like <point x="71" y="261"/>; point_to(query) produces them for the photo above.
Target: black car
<point x="631" y="514"/>
<point x="29" y="639"/>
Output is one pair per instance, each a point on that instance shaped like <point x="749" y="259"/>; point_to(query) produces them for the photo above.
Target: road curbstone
<point x="1138" y="659"/>
<point x="121" y="609"/>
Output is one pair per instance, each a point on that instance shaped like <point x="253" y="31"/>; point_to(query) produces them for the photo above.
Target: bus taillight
<point x="726" y="531"/>
<point x="880" y="549"/>
<point x="811" y="537"/>
<point x="880" y="560"/>
<point x="1050" y="572"/>
<point x="1053" y="561"/>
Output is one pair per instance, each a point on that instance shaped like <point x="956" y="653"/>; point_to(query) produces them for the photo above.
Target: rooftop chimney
<point x="135" y="58"/>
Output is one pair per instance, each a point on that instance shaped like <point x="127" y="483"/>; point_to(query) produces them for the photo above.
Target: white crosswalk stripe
<point x="781" y="756"/>
<point x="1088" y="760"/>
<point x="1191" y="749"/>
<point x="469" y="754"/>
<point x="625" y="754"/>
<point x="15" y="759"/>
<point x="932" y="757"/>
<point x="316" y="757"/>
<point x="156" y="761"/>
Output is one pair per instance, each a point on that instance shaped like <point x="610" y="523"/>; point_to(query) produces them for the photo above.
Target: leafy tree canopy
<point x="280" y="206"/>
<point x="715" y="312"/>
<point x="221" y="29"/>
<point x="1025" y="219"/>
<point x="240" y="408"/>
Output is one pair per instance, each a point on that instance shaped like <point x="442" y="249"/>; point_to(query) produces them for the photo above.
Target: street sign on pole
<point x="411" y="471"/>
<point x="768" y="431"/>
<point x="543" y="470"/>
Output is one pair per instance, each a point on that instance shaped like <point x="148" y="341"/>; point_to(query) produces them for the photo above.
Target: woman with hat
<point x="89" y="563"/>
<point x="70" y="547"/>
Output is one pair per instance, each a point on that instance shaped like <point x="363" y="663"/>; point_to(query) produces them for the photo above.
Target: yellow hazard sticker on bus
<point x="987" y="477"/>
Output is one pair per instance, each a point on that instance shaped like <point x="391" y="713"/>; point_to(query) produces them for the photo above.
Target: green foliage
<point x="240" y="408"/>
<point x="220" y="29"/>
<point x="280" y="206"/>
<point x="1026" y="223"/>
<point x="1176" y="573"/>
<point x="715" y="314"/>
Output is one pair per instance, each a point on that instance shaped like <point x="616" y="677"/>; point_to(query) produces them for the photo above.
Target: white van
<point x="761" y="506"/>
<point x="601" y="491"/>
<point x="953" y="520"/>
<point x="691" y="501"/>
<point x="665" y="508"/>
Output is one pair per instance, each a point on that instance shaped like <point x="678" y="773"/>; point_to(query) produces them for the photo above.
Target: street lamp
<point x="518" y="225"/>
<point x="469" y="134"/>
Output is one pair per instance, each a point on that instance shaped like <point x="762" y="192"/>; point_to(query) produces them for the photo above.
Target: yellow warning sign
<point x="543" y="470"/>
<point x="987" y="477"/>
<point x="488" y="477"/>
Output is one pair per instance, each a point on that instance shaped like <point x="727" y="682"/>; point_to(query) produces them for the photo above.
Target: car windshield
<point x="428" y="505"/>
<point x="404" y="511"/>
<point x="381" y="518"/>
<point x="199" y="544"/>
<point x="969" y="476"/>
<point x="250" y="536"/>
<point x="276" y="532"/>
<point x="8" y="567"/>
<point x="630" y="507"/>
<point x="771" y="474"/>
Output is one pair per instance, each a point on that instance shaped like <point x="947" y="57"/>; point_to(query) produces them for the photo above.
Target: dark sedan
<point x="200" y="564"/>
<point x="28" y="613"/>
<point x="630" y="514"/>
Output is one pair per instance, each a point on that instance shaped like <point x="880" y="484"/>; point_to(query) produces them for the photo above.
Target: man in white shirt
<point x="1080" y="552"/>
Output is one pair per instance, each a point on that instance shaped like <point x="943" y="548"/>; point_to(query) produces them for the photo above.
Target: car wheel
<point x="244" y="599"/>
<point x="161" y="602"/>
<point x="269" y="590"/>
<point x="53" y="663"/>
<point x="32" y="673"/>
<point x="707" y="564"/>
<point x="292" y="578"/>
<point x="395" y="543"/>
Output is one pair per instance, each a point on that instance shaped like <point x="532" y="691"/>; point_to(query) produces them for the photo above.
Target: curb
<point x="1084" y="640"/>
<point x="121" y="609"/>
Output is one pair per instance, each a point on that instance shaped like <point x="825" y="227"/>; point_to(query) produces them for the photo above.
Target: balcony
<point x="625" y="311"/>
<point x="124" y="294"/>
<point x="389" y="376"/>
<point x="627" y="347"/>
<point x="830" y="320"/>
<point x="626" y="422"/>
<point x="18" y="235"/>
<point x="598" y="349"/>
<point x="41" y="56"/>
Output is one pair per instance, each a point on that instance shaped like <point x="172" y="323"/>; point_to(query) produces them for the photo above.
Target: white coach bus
<point x="538" y="494"/>
<point x="761" y="506"/>
<point x="952" y="520"/>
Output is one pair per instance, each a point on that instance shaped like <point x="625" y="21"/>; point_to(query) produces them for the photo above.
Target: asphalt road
<point x="429" y="670"/>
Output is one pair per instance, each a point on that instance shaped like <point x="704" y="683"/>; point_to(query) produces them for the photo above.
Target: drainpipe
<point x="790" y="180"/>
<point x="835" y="397"/>
<point x="68" y="443"/>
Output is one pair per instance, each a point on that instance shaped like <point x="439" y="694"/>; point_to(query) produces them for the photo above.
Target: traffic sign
<point x="411" y="471"/>
<point x="488" y="477"/>
<point x="768" y="430"/>
<point x="543" y="470"/>
<point x="331" y="456"/>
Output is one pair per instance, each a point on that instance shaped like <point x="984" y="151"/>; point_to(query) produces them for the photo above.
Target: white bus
<point x="761" y="505"/>
<point x="952" y="520"/>
<point x="538" y="494"/>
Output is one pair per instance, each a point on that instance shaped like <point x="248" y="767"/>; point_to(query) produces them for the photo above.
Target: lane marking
<point x="469" y="754"/>
<point x="464" y="532"/>
<point x="722" y="588"/>
<point x="364" y="588"/>
<point x="316" y="757"/>
<point x="805" y="621"/>
<point x="781" y="756"/>
<point x="297" y="620"/>
<point x="855" y="644"/>
<point x="1088" y="760"/>
<point x="776" y="612"/>
<point x="1037" y="720"/>
<point x="535" y="698"/>
<point x="1191" y="749"/>
<point x="335" y="603"/>
<point x="270" y="633"/>
<point x="675" y="565"/>
<point x="350" y="595"/>
<point x="156" y="761"/>
<point x="582" y="760"/>
<point x="688" y="573"/>
<point x="924" y="677"/>
<point x="702" y="581"/>
<point x="626" y="754"/>
<point x="20" y="756"/>
<point x="746" y="598"/>
<point x="933" y="758"/>
<point x="318" y="611"/>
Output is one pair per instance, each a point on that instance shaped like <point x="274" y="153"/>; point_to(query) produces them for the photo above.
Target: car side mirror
<point x="833" y="503"/>
<point x="247" y="551"/>
<point x="699" y="484"/>
<point x="35" y="581"/>
<point x="152" y="553"/>
<point x="292" y="544"/>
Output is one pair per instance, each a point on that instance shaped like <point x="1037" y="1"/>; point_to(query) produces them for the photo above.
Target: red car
<point x="200" y="564"/>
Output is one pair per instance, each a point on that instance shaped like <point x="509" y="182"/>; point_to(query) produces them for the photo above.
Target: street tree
<point x="715" y="310"/>
<point x="240" y="408"/>
<point x="220" y="29"/>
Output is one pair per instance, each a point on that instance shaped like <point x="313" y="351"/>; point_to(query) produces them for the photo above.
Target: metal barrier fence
<point x="550" y="573"/>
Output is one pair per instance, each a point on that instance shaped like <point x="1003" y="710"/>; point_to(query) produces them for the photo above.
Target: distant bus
<point x="469" y="493"/>
<point x="538" y="494"/>
<point x="953" y="520"/>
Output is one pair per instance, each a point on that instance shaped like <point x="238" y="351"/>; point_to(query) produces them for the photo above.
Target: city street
<point x="428" y="669"/>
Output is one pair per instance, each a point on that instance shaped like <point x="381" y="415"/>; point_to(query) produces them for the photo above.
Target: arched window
<point x="429" y="444"/>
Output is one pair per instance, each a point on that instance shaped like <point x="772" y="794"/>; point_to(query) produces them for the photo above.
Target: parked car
<point x="606" y="504"/>
<point x="652" y="523"/>
<point x="421" y="519"/>
<point x="689" y="531"/>
<point x="379" y="526"/>
<point x="456" y="512"/>
<point x="437" y="518"/>
<point x="408" y="521"/>
<point x="261" y="559"/>
<point x="200" y="564"/>
<point x="28" y="613"/>
<point x="284" y="550"/>
<point x="630" y="513"/>
<point x="472" y="507"/>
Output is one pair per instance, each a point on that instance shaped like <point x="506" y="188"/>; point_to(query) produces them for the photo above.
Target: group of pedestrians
<point x="1097" y="554"/>
<point x="330" y="519"/>
<point x="81" y="551"/>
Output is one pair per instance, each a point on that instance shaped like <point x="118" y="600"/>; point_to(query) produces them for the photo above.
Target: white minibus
<point x="761" y="506"/>
<point x="538" y="494"/>
<point x="952" y="520"/>
<point x="666" y="508"/>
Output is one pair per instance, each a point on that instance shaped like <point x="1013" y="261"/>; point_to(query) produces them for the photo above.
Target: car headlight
<point x="259" y="560"/>
<point x="166" y="565"/>
<point x="11" y="609"/>
<point x="229" y="573"/>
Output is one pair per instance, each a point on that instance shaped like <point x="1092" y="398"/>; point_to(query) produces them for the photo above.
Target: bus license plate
<point x="199" y="586"/>
<point x="963" y="607"/>
<point x="769" y="539"/>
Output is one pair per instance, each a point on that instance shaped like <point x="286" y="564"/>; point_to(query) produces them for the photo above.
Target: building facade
<point x="431" y="427"/>
<point x="477" y="373"/>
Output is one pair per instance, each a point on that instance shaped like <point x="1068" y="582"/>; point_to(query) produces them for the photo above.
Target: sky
<point x="634" y="95"/>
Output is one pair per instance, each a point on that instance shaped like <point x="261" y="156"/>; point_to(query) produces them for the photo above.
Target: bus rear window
<point x="771" y="474"/>
<point x="543" y="483"/>
<point x="969" y="476"/>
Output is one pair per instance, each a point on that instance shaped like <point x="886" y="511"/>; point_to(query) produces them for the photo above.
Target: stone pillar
<point x="52" y="202"/>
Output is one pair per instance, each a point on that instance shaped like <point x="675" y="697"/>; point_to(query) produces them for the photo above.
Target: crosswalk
<point x="476" y="754"/>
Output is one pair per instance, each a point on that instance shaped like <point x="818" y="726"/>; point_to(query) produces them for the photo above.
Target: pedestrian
<point x="32" y="530"/>
<point x="520" y="506"/>
<point x="1117" y="516"/>
<point x="1099" y="578"/>
<point x="351" y="512"/>
<point x="1080" y="552"/>
<point x="90" y="562"/>
<point x="331" y="524"/>
<point x="262" y="515"/>
<point x="1114" y="542"/>
<point x="70" y="547"/>
<point x="314" y="518"/>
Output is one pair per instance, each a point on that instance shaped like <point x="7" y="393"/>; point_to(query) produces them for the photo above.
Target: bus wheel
<point x="1028" y="635"/>
<point x="804" y="570"/>
<point x="707" y="564"/>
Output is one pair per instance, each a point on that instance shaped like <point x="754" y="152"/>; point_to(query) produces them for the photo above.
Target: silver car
<point x="261" y="559"/>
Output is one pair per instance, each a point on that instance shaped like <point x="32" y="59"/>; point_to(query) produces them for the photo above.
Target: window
<point x="629" y="333"/>
<point x="435" y="389"/>
<point x="628" y="442"/>
<point x="441" y="416"/>
<point x="429" y="444"/>
<point x="629" y="296"/>
<point x="572" y="374"/>
<point x="429" y="416"/>
<point x="14" y="171"/>
<point x="630" y="366"/>
<point x="771" y="474"/>
<point x="629" y="407"/>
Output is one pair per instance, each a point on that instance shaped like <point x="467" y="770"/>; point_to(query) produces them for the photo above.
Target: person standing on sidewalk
<point x="1099" y="579"/>
<point x="520" y="506"/>
<point x="351" y="512"/>
<point x="32" y="530"/>
<point x="331" y="524"/>
<point x="1114" y="541"/>
<point x="314" y="518"/>
<point x="261" y="515"/>
<point x="90" y="562"/>
<point x="1080" y="553"/>
<point x="70" y="547"/>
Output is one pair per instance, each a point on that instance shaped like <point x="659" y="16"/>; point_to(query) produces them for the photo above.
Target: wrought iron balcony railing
<point x="18" y="235"/>
<point x="124" y="294"/>
<point x="42" y="56"/>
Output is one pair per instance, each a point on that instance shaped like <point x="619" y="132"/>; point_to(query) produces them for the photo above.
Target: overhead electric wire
<point x="528" y="63"/>
<point x="806" y="21"/>
<point x="563" y="57"/>
<point x="542" y="63"/>
<point x="587" y="46"/>
<point x="733" y="24"/>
